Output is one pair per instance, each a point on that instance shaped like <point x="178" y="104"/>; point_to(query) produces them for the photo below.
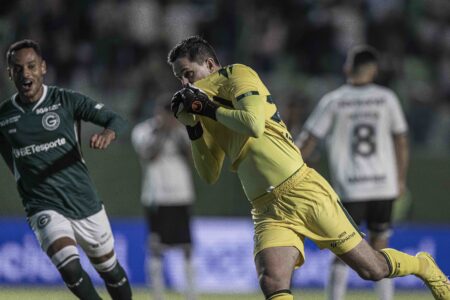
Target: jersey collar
<point x="44" y="94"/>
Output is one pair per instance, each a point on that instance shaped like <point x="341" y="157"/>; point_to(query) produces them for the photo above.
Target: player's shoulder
<point x="144" y="126"/>
<point x="333" y="95"/>
<point x="7" y="104"/>
<point x="236" y="70"/>
<point x="69" y="93"/>
<point x="382" y="92"/>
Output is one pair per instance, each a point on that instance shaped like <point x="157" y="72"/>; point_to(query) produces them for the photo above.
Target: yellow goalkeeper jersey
<point x="248" y="130"/>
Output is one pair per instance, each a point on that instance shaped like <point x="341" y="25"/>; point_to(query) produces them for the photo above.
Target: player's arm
<point x="89" y="110"/>
<point x="207" y="155"/>
<point x="248" y="117"/>
<point x="208" y="158"/>
<point x="146" y="142"/>
<point x="307" y="143"/>
<point x="399" y="129"/>
<point x="402" y="157"/>
<point x="6" y="152"/>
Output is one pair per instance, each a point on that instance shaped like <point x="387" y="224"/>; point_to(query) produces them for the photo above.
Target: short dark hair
<point x="361" y="55"/>
<point x="195" y="49"/>
<point x="22" y="45"/>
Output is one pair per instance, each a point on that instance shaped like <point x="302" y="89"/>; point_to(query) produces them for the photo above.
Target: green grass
<point x="7" y="293"/>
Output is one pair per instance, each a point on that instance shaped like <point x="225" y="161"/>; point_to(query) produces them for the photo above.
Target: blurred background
<point x="115" y="51"/>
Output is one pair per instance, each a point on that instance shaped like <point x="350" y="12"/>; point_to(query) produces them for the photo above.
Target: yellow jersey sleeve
<point x="208" y="157"/>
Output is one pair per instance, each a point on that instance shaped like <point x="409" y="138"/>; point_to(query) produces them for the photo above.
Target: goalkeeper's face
<point x="190" y="71"/>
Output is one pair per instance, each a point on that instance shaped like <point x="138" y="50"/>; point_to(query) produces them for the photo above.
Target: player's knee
<point x="67" y="261"/>
<point x="375" y="273"/>
<point x="115" y="276"/>
<point x="72" y="272"/>
<point x="105" y="264"/>
<point x="272" y="280"/>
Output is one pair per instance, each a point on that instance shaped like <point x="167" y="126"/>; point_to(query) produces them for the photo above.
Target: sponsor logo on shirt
<point x="99" y="106"/>
<point x="9" y="121"/>
<point x="33" y="149"/>
<point x="43" y="110"/>
<point x="51" y="121"/>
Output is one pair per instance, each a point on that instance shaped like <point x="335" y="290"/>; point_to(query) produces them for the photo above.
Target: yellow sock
<point x="281" y="295"/>
<point x="402" y="264"/>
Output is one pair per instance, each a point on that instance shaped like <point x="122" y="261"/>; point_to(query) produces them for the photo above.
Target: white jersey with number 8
<point x="358" y="123"/>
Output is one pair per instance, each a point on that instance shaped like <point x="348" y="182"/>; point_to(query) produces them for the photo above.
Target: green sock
<point x="84" y="289"/>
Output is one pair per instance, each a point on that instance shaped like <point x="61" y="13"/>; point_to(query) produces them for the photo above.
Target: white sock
<point x="156" y="277"/>
<point x="337" y="281"/>
<point x="385" y="289"/>
<point x="189" y="268"/>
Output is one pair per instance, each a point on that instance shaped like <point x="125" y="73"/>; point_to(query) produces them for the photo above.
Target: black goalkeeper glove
<point x="193" y="126"/>
<point x="175" y="103"/>
<point x="197" y="102"/>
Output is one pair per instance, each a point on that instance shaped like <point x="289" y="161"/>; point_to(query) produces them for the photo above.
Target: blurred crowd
<point x="116" y="49"/>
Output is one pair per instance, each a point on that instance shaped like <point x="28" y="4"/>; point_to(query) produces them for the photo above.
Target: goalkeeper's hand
<point x="193" y="126"/>
<point x="177" y="107"/>
<point x="197" y="102"/>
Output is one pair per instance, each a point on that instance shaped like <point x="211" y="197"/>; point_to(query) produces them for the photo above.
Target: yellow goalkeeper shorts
<point x="304" y="205"/>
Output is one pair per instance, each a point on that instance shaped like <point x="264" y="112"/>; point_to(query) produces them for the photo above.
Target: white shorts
<point x="93" y="233"/>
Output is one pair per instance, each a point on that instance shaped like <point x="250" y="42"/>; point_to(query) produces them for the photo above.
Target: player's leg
<point x="116" y="280"/>
<point x="94" y="235"/>
<point x="331" y="228"/>
<point x="57" y="239"/>
<point x="155" y="251"/>
<point x="191" y="292"/>
<point x="181" y="236"/>
<point x="336" y="286"/>
<point x="278" y="250"/>
<point x="274" y="267"/>
<point x="379" y="225"/>
<point x="375" y="265"/>
<point x="155" y="265"/>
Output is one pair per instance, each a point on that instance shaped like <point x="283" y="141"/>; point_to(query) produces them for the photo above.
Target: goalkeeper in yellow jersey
<point x="228" y="111"/>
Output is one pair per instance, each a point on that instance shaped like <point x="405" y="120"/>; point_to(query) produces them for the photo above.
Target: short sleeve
<point x="321" y="119"/>
<point x="397" y="118"/>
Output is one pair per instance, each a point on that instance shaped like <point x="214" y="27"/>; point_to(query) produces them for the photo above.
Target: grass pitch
<point x="22" y="293"/>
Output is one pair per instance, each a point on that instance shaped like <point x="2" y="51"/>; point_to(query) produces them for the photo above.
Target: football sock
<point x="156" y="277"/>
<point x="83" y="288"/>
<point x="190" y="279"/>
<point x="337" y="281"/>
<point x="402" y="264"/>
<point x="117" y="283"/>
<point x="281" y="295"/>
<point x="78" y="281"/>
<point x="385" y="289"/>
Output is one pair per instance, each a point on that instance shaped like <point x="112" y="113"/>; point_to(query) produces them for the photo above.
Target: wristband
<point x="195" y="132"/>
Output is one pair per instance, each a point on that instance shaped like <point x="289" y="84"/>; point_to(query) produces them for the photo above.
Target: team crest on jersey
<point x="51" y="121"/>
<point x="43" y="220"/>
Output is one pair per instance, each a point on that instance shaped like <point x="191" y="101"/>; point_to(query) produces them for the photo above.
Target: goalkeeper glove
<point x="179" y="112"/>
<point x="193" y="126"/>
<point x="197" y="102"/>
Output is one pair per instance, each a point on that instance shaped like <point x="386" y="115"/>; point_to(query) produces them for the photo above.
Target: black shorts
<point x="377" y="214"/>
<point x="170" y="223"/>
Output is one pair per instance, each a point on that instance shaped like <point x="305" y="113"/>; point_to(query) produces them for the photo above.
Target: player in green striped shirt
<point x="40" y="142"/>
